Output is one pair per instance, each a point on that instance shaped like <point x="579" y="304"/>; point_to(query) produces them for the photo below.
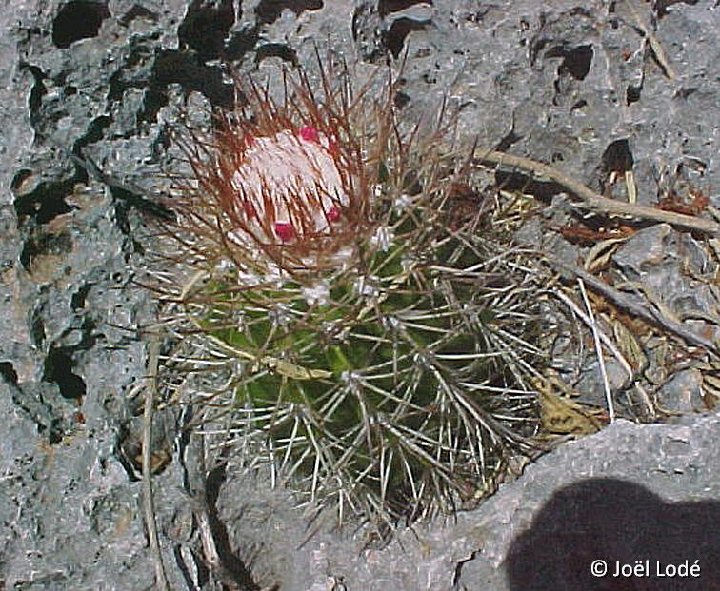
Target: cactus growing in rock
<point x="374" y="323"/>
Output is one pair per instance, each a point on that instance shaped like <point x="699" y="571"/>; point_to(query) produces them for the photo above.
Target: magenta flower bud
<point x="284" y="231"/>
<point x="333" y="214"/>
<point x="309" y="134"/>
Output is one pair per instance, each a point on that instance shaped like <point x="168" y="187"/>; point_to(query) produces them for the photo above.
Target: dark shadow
<point x="78" y="20"/>
<point x="619" y="523"/>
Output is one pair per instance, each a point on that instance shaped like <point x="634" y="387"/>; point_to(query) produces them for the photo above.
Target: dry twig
<point x="598" y="351"/>
<point x="607" y="341"/>
<point x="590" y="199"/>
<point x="655" y="46"/>
<point x="628" y="303"/>
<point x="161" y="581"/>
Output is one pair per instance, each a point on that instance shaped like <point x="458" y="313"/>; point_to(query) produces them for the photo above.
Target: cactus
<point x="375" y="322"/>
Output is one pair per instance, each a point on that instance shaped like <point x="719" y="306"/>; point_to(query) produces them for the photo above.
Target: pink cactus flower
<point x="288" y="186"/>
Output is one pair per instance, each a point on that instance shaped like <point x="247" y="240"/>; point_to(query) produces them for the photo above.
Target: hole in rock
<point x="19" y="178"/>
<point x="662" y="5"/>
<point x="206" y="26"/>
<point x="605" y="523"/>
<point x="44" y="203"/>
<point x="58" y="369"/>
<point x="576" y="61"/>
<point x="78" y="20"/>
<point x="618" y="157"/>
<point x="632" y="94"/>
<point x="394" y="37"/>
<point x="285" y="53"/>
<point x="78" y="299"/>
<point x="8" y="372"/>
<point x="45" y="244"/>
<point x="137" y="11"/>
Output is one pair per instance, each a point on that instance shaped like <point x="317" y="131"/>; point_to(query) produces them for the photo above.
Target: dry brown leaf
<point x="560" y="415"/>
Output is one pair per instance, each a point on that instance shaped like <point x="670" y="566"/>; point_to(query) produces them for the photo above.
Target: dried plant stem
<point x="652" y="40"/>
<point x="592" y="200"/>
<point x="601" y="335"/>
<point x="161" y="581"/>
<point x="607" y="341"/>
<point x="598" y="351"/>
<point x="626" y="302"/>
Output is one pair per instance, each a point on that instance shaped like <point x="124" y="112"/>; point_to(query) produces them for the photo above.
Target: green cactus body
<point x="379" y="388"/>
<point x="388" y="382"/>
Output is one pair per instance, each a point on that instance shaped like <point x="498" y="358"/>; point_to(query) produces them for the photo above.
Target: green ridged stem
<point x="388" y="397"/>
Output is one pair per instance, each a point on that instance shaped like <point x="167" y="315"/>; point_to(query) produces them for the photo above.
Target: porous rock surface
<point x="593" y="87"/>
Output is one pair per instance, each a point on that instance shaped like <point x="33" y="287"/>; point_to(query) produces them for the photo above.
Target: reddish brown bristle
<point x="285" y="185"/>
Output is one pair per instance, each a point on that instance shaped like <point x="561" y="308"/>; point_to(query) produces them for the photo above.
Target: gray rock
<point x="683" y="393"/>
